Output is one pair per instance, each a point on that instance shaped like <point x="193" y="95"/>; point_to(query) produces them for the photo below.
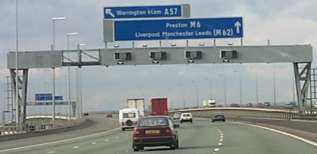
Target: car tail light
<point x="168" y="131"/>
<point x="136" y="132"/>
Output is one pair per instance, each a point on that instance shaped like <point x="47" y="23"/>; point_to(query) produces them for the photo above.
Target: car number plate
<point x="152" y="131"/>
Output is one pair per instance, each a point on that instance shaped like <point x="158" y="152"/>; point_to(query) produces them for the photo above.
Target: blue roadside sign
<point x="199" y="28"/>
<point x="146" y="11"/>
<point x="43" y="96"/>
<point x="47" y="97"/>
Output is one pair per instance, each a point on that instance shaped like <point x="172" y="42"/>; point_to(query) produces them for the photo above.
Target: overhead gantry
<point x="299" y="55"/>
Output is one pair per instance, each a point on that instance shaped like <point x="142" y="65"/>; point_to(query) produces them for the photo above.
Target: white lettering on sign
<point x="227" y="32"/>
<point x="177" y="34"/>
<point x="170" y="11"/>
<point x="223" y="32"/>
<point x="217" y="32"/>
<point x="130" y="13"/>
<point x="154" y="12"/>
<point x="176" y="25"/>
<point x="195" y="24"/>
<point x="147" y="35"/>
<point x="204" y="33"/>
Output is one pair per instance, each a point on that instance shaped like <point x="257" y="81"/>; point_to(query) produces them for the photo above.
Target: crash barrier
<point x="244" y="112"/>
<point x="40" y="123"/>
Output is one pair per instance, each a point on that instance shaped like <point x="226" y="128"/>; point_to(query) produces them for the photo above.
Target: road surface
<point x="200" y="137"/>
<point x="96" y="123"/>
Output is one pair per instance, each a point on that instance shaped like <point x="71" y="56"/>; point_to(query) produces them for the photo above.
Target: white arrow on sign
<point x="108" y="11"/>
<point x="237" y="25"/>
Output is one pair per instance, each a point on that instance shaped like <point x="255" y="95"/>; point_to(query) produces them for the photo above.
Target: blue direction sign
<point x="177" y="29"/>
<point x="47" y="97"/>
<point x="43" y="97"/>
<point x="146" y="11"/>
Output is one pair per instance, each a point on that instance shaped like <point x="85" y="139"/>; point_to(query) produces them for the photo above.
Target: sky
<point x="285" y="22"/>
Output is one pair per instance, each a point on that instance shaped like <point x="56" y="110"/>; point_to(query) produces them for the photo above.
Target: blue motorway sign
<point x="199" y="28"/>
<point x="145" y="11"/>
<point x="46" y="97"/>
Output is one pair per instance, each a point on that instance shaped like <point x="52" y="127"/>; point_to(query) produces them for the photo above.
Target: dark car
<point x="218" y="117"/>
<point x="109" y="115"/>
<point x="86" y="114"/>
<point x="155" y="131"/>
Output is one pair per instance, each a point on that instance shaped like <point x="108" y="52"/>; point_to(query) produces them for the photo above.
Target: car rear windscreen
<point x="146" y="122"/>
<point x="219" y="116"/>
<point x="128" y="115"/>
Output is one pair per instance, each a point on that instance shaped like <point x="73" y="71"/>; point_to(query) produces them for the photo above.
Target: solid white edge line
<point x="283" y="133"/>
<point x="59" y="141"/>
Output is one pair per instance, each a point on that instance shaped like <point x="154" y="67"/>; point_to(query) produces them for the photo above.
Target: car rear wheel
<point x="177" y="144"/>
<point x="123" y="129"/>
<point x="137" y="148"/>
<point x="174" y="145"/>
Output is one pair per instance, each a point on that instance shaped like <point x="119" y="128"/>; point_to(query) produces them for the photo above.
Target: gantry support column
<point x="21" y="94"/>
<point x="302" y="82"/>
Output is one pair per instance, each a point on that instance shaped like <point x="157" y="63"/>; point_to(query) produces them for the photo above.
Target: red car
<point x="155" y="131"/>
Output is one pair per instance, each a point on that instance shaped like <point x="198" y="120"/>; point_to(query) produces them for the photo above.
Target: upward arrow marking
<point x="237" y="25"/>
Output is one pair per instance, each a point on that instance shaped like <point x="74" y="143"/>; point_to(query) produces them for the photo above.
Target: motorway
<point x="200" y="137"/>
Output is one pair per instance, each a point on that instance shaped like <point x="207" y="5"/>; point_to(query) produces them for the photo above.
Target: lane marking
<point x="283" y="133"/>
<point x="106" y="140"/>
<point x="60" y="141"/>
<point x="221" y="134"/>
<point x="75" y="147"/>
<point x="93" y="143"/>
<point x="50" y="152"/>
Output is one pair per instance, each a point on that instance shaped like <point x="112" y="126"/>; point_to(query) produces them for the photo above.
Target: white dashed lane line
<point x="220" y="143"/>
<point x="50" y="152"/>
<point x="75" y="147"/>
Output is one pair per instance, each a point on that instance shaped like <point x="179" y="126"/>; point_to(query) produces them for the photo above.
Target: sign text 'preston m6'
<point x="147" y="11"/>
<point x="169" y="29"/>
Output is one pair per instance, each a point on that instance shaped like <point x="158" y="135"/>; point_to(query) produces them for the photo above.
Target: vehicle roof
<point x="186" y="113"/>
<point x="155" y="117"/>
<point x="128" y="109"/>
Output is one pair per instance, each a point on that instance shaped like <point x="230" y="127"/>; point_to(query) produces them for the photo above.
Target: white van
<point x="186" y="117"/>
<point x="128" y="118"/>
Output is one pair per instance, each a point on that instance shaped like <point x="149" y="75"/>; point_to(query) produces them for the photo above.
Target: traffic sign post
<point x="147" y="11"/>
<point x="199" y="28"/>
